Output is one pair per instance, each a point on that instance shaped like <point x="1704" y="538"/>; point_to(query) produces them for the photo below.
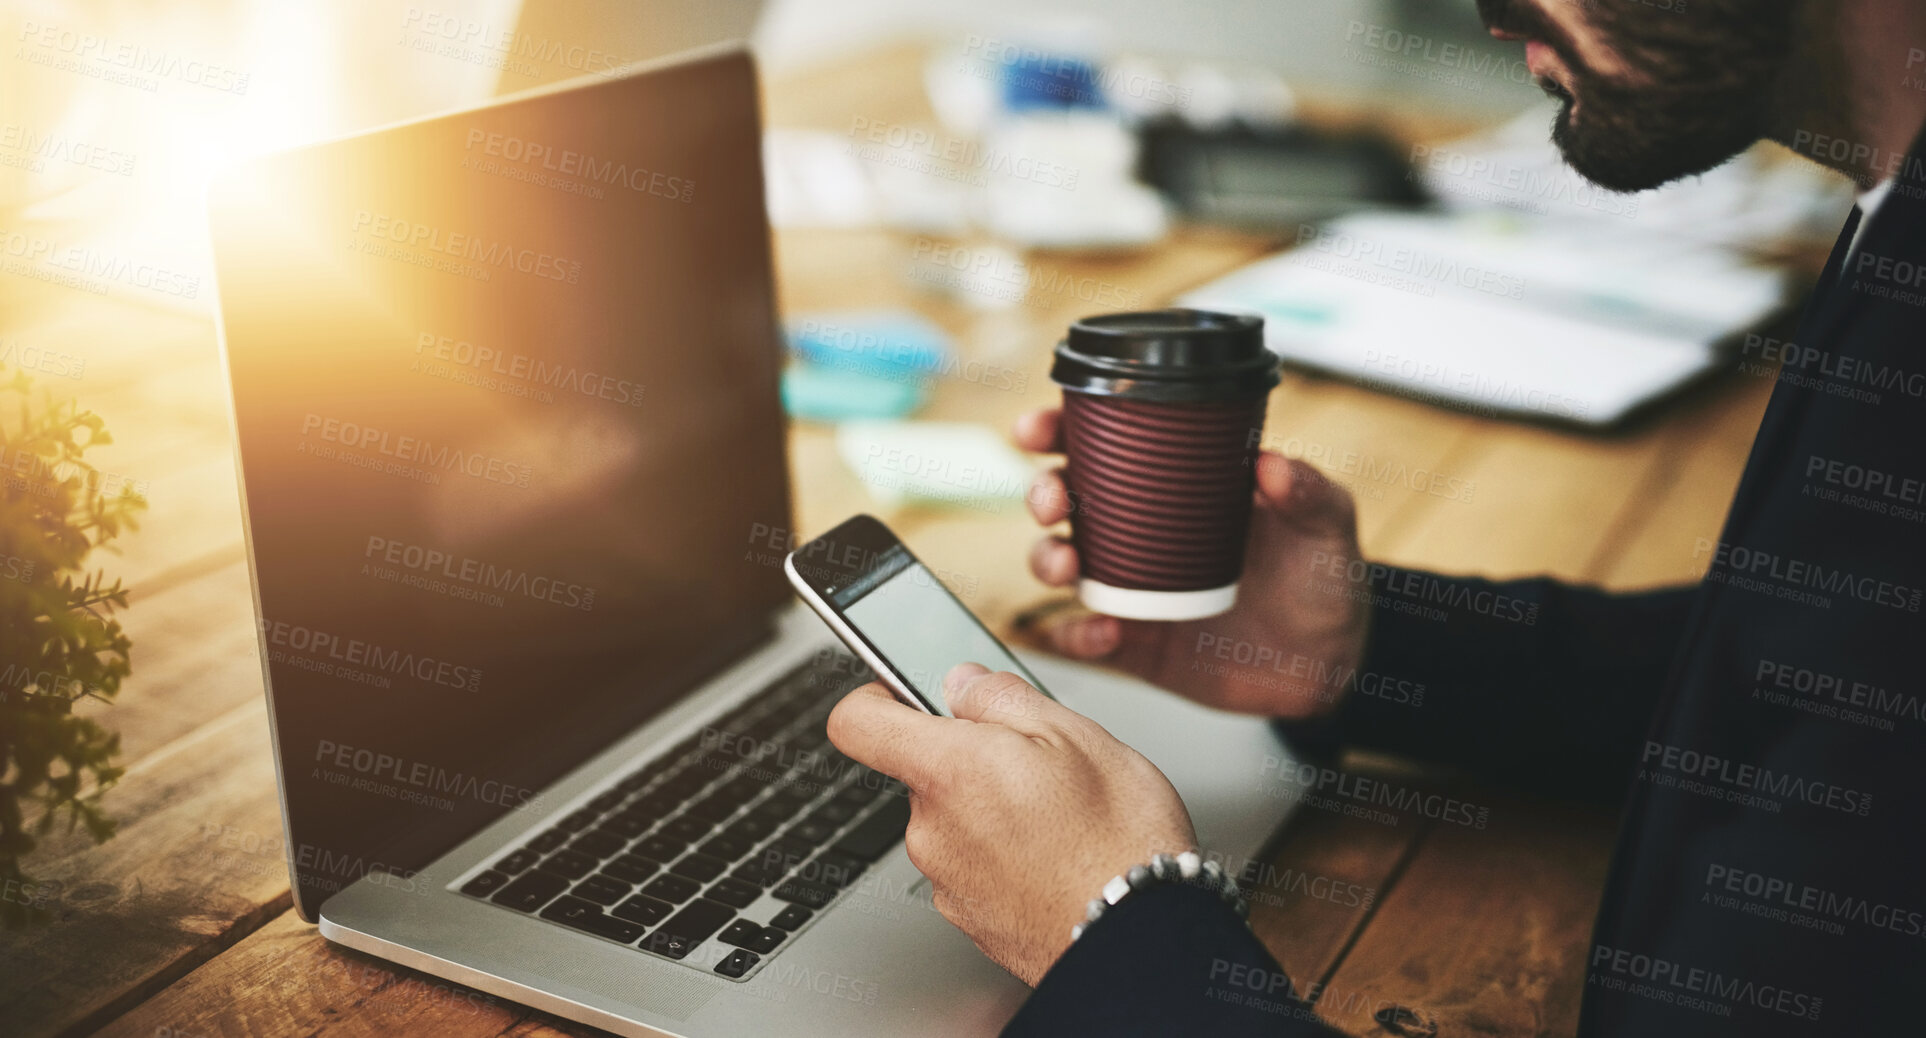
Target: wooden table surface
<point x="181" y="926"/>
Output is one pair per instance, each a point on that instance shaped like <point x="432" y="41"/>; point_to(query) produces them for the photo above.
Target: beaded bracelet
<point x="1188" y="868"/>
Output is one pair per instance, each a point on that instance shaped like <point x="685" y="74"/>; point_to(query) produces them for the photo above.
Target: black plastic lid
<point x="1171" y="356"/>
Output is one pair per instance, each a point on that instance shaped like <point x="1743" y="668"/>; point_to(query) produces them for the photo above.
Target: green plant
<point x="59" y="642"/>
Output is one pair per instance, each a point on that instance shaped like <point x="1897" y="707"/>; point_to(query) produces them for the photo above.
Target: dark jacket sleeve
<point x="1528" y="682"/>
<point x="1167" y="960"/>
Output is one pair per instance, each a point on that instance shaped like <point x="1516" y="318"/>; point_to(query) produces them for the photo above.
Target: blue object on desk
<point x="891" y="344"/>
<point x="815" y="393"/>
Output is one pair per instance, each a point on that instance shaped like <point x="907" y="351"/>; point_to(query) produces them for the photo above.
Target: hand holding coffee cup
<point x="1274" y="652"/>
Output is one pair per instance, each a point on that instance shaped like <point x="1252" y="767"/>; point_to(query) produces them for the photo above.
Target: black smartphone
<point x="893" y="612"/>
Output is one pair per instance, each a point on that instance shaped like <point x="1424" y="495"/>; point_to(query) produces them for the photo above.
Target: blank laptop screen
<point x="506" y="388"/>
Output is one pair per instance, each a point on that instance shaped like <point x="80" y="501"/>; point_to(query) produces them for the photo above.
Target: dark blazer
<point x="1764" y="731"/>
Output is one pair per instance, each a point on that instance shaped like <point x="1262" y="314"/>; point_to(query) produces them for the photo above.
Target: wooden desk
<point x="181" y="924"/>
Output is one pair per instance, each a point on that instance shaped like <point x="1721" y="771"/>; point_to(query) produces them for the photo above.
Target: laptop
<point x="547" y="720"/>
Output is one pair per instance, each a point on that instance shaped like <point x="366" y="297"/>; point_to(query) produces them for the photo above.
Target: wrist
<point x="1186" y="868"/>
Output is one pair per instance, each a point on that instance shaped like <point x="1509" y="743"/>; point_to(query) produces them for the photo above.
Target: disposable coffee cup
<point x="1163" y="412"/>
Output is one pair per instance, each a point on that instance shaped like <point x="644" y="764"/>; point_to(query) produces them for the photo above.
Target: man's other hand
<point x="1291" y="645"/>
<point x="1020" y="808"/>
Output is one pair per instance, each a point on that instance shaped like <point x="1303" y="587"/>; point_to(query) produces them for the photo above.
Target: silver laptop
<point x="547" y="720"/>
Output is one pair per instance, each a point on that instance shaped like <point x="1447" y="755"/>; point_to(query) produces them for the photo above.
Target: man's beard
<point x="1704" y="76"/>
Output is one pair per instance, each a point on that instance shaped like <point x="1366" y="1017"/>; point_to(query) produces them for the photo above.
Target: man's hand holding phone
<point x="1299" y="625"/>
<point x="1020" y="808"/>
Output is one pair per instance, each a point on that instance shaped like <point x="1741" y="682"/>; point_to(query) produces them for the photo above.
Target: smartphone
<point x="893" y="613"/>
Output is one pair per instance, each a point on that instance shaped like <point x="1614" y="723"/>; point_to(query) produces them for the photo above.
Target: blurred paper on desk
<point x="1561" y="319"/>
<point x="959" y="463"/>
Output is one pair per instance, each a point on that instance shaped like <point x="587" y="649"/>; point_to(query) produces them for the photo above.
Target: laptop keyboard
<point x="730" y="842"/>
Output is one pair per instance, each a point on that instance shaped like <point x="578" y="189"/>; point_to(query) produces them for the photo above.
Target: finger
<point x="1296" y="490"/>
<point x="1048" y="497"/>
<point x="1086" y="637"/>
<point x="999" y="698"/>
<point x="1054" y="562"/>
<point x="873" y="728"/>
<point x="1040" y="431"/>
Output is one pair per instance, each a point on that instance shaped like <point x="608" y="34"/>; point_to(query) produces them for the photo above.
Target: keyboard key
<point x="672" y="888"/>
<point x="738" y="963"/>
<point x="603" y="890"/>
<point x="792" y="918"/>
<point x="833" y="814"/>
<point x="700" y="867"/>
<point x="570" y="864"/>
<point x="767" y="940"/>
<point x="655" y="805"/>
<point x="750" y="829"/>
<point x="877" y="833"/>
<point x="739" y="933"/>
<point x="598" y="844"/>
<point x="713" y="809"/>
<point x="726" y="846"/>
<point x="833" y="869"/>
<point x="580" y="820"/>
<point x="630" y="868"/>
<point x="531" y="891"/>
<point x="759" y="872"/>
<point x="659" y="848"/>
<point x="811" y="831"/>
<point x="697" y="920"/>
<point x="548" y="841"/>
<point x="804" y="892"/>
<point x="581" y="915"/>
<point x="861" y="791"/>
<point x="784" y="853"/>
<point x="687" y="829"/>
<point x="517" y="863"/>
<point x="733" y="892"/>
<point x="628" y="827"/>
<point x="643" y="909"/>
<point x="487" y="883"/>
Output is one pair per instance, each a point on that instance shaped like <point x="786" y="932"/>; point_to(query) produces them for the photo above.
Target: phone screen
<point x="917" y="626"/>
